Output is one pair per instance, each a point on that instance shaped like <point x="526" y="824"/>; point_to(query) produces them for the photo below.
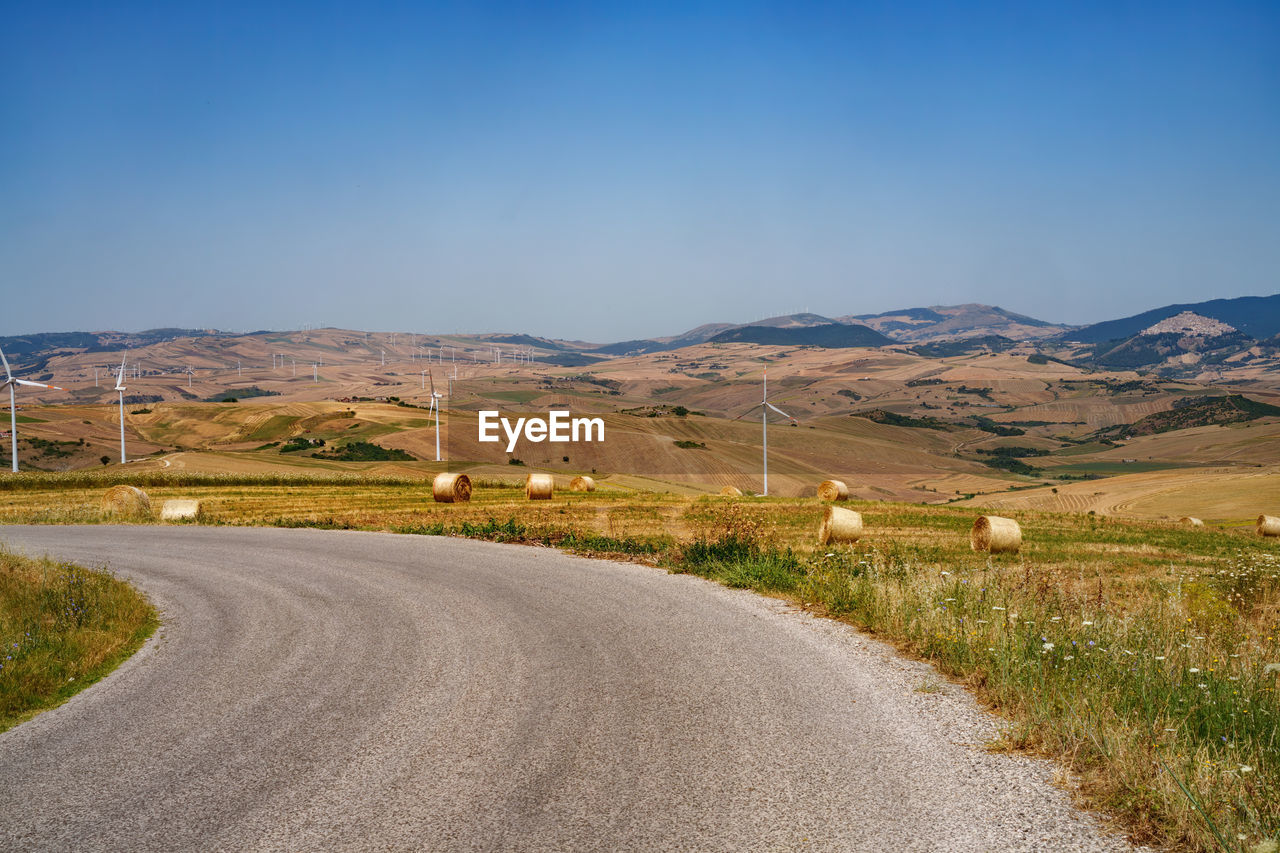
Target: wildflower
<point x="1193" y="669"/>
<point x="1245" y="768"/>
<point x="1070" y="657"/>
<point x="1000" y="608"/>
<point x="1086" y="623"/>
<point x="1271" y="667"/>
<point x="831" y="553"/>
<point x="1159" y="657"/>
<point x="1047" y="647"/>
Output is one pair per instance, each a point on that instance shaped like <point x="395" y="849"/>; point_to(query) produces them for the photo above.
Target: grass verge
<point x="62" y="627"/>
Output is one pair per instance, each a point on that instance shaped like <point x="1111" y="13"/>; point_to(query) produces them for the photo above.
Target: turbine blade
<point x="779" y="411"/>
<point x="37" y="384"/>
<point x="431" y="375"/>
<point x="748" y="411"/>
<point x="8" y="374"/>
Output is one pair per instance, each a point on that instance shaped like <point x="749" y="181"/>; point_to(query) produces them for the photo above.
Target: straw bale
<point x="126" y="500"/>
<point x="539" y="487"/>
<point x="840" y="525"/>
<point x="996" y="535"/>
<point x="833" y="490"/>
<point x="449" y="488"/>
<point x="582" y="483"/>
<point x="179" y="508"/>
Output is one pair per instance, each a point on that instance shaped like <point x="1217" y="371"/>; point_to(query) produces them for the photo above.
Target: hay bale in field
<point x="840" y="525"/>
<point x="1191" y="521"/>
<point x="176" y="510"/>
<point x="126" y="500"/>
<point x="996" y="535"/>
<point x="731" y="492"/>
<point x="833" y="490"/>
<point x="1268" y="525"/>
<point x="582" y="484"/>
<point x="539" y="487"/>
<point x="451" y="488"/>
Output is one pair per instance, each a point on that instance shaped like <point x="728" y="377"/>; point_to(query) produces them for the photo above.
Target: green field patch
<point x="274" y="427"/>
<point x="515" y="396"/>
<point x="1142" y="466"/>
<point x="27" y="419"/>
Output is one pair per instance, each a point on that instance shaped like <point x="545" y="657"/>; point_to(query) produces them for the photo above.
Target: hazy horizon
<point x="613" y="172"/>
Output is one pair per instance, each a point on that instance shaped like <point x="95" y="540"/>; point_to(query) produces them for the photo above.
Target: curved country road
<point x="325" y="690"/>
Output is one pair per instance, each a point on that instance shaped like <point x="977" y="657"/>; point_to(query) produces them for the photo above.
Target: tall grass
<point x="62" y="627"/>
<point x="1167" y="708"/>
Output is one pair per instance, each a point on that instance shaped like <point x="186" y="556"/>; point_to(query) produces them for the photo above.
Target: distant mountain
<point x="1167" y="349"/>
<point x="832" y="335"/>
<point x="706" y="332"/>
<point x="32" y="352"/>
<point x="947" y="322"/>
<point x="1256" y="316"/>
<point x="524" y="341"/>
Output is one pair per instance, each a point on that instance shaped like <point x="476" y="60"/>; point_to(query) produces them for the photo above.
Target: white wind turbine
<point x="120" y="389"/>
<point x="435" y="406"/>
<point x="13" y="405"/>
<point x="764" y="406"/>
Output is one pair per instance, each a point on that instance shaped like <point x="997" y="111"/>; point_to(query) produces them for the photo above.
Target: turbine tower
<point x="764" y="406"/>
<point x="120" y="389"/>
<point x="13" y="405"/>
<point x="435" y="405"/>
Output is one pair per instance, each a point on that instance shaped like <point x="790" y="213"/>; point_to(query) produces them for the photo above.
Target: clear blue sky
<point x="608" y="171"/>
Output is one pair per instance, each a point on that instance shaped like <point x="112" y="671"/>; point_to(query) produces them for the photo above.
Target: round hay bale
<point x="731" y="492"/>
<point x="996" y="535"/>
<point x="582" y="484"/>
<point x="833" y="490"/>
<point x="449" y="488"/>
<point x="1268" y="525"/>
<point x="840" y="525"/>
<point x="1191" y="521"/>
<point x="539" y="487"/>
<point x="178" y="509"/>
<point x="126" y="500"/>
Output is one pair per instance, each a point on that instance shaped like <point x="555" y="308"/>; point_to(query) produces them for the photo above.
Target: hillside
<point x="1198" y="412"/>
<point x="832" y="335"/>
<point x="1256" y="316"/>
<point x="942" y="322"/>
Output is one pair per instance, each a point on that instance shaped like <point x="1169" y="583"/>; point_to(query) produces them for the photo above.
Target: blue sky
<point x="604" y="171"/>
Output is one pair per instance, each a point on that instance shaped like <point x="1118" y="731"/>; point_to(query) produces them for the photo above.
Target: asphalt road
<point x="321" y="690"/>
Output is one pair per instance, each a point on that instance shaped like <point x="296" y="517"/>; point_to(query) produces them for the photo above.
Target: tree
<point x="106" y="460"/>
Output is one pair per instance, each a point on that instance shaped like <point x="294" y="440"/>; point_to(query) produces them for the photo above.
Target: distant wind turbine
<point x="13" y="405"/>
<point x="764" y="406"/>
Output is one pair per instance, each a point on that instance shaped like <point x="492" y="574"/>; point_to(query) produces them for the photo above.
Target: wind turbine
<point x="13" y="405"/>
<point x="435" y="405"/>
<point x="764" y="406"/>
<point x="120" y="389"/>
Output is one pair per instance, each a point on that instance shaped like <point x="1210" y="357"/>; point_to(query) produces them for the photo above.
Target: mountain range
<point x="1175" y="338"/>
